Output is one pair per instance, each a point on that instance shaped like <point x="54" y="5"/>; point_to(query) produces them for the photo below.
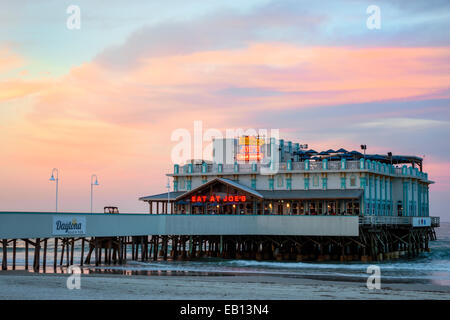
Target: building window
<point x="182" y="184"/>
<point x="312" y="208"/>
<point x="289" y="183"/>
<point x="280" y="182"/>
<point x="353" y="181"/>
<point x="271" y="183"/>
<point x="324" y="183"/>
<point x="316" y="181"/>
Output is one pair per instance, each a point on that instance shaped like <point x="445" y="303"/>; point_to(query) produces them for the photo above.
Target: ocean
<point x="428" y="268"/>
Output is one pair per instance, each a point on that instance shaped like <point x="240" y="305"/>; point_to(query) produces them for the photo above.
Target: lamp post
<point x="390" y="157"/>
<point x="52" y="178"/>
<point x="168" y="195"/>
<point x="93" y="183"/>
<point x="364" y="147"/>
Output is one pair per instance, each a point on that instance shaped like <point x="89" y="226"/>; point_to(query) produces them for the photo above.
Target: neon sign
<point x="217" y="198"/>
<point x="250" y="149"/>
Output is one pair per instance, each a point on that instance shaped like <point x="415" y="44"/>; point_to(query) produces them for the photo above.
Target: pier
<point x="116" y="238"/>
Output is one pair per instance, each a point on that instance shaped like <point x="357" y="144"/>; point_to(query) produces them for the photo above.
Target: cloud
<point x="9" y="60"/>
<point x="403" y="123"/>
<point x="224" y="29"/>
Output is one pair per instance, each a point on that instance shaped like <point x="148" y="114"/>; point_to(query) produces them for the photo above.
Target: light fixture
<point x="52" y="178"/>
<point x="95" y="183"/>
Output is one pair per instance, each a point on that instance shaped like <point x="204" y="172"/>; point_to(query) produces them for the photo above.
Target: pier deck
<point x="167" y="236"/>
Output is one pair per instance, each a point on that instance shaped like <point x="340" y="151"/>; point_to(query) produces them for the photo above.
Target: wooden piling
<point x="142" y="249"/>
<point x="26" y="254"/>
<point x="44" y="263"/>
<point x="125" y="249"/>
<point x="96" y="252"/>
<point x="82" y="251"/>
<point x="155" y="248"/>
<point x="67" y="253"/>
<point x="5" y="255"/>
<point x="14" y="254"/>
<point x="72" y="248"/>
<point x="63" y="246"/>
<point x="55" y="255"/>
<point x="37" y="247"/>
<point x="165" y="247"/>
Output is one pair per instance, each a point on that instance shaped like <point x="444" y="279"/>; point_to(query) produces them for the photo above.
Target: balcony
<point x="314" y="166"/>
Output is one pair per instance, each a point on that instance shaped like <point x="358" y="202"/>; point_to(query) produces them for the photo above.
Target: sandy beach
<point x="25" y="285"/>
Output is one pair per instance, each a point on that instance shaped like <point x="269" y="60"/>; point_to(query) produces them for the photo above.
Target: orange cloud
<point x="9" y="60"/>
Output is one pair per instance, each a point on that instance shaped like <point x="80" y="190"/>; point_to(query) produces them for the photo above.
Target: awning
<point x="231" y="183"/>
<point x="278" y="194"/>
<point x="162" y="196"/>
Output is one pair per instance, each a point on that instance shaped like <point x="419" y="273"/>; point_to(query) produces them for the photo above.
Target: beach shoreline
<point x="23" y="285"/>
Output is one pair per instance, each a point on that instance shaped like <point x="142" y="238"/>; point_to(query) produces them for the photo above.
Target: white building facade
<point x="302" y="182"/>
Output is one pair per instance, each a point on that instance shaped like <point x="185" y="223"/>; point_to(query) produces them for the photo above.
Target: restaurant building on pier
<point x="251" y="176"/>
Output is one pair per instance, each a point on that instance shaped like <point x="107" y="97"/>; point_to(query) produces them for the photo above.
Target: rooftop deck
<point x="301" y="167"/>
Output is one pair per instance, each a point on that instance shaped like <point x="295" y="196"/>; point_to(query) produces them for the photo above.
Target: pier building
<point x="263" y="199"/>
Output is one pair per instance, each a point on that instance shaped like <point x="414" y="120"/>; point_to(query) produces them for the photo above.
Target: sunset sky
<point x="105" y="99"/>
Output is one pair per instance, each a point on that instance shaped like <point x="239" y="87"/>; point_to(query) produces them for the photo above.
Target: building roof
<point x="225" y="181"/>
<point x="162" y="196"/>
<point x="267" y="194"/>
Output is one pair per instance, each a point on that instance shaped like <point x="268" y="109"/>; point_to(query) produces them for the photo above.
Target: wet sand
<point x="26" y="285"/>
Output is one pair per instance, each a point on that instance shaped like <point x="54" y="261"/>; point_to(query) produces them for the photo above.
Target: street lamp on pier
<point x="52" y="178"/>
<point x="93" y="183"/>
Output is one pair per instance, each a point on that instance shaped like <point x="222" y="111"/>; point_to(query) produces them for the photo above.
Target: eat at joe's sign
<point x="217" y="198"/>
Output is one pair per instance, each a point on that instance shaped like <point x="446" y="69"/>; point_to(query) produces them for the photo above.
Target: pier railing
<point x="407" y="221"/>
<point x="300" y="166"/>
<point x="435" y="221"/>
